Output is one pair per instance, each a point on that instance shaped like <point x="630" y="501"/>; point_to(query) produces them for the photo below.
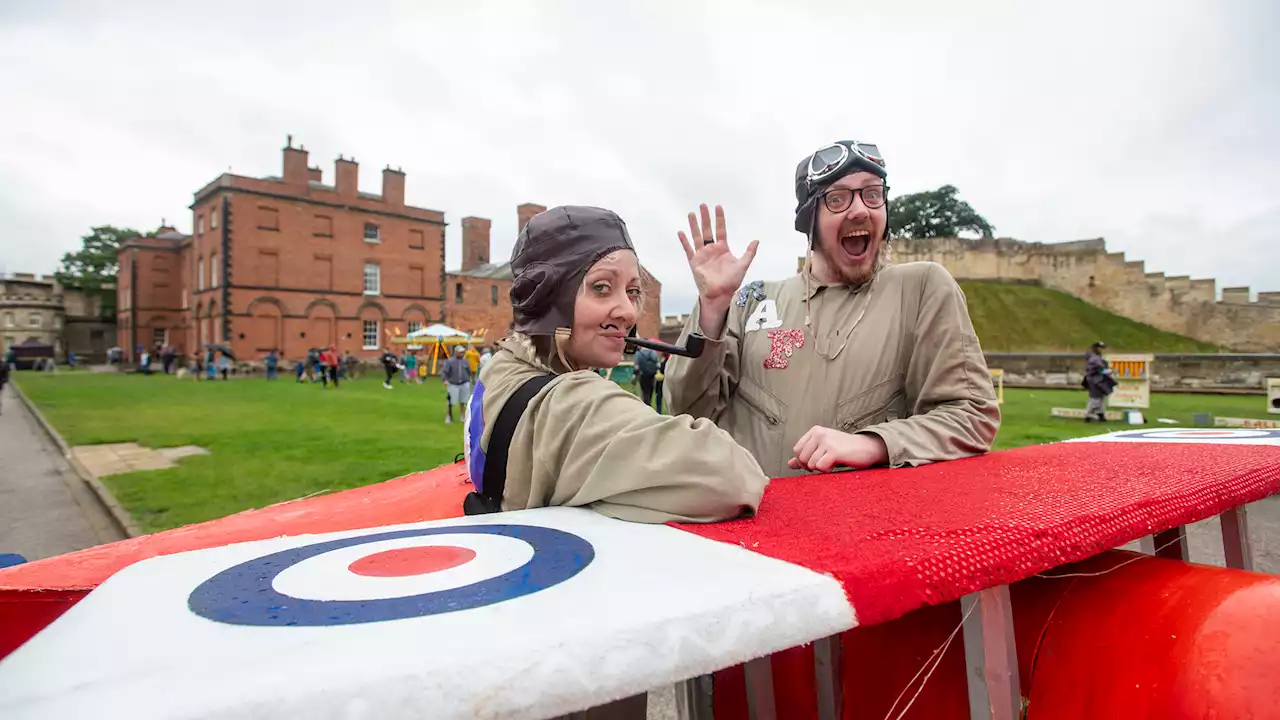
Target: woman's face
<point x="605" y="311"/>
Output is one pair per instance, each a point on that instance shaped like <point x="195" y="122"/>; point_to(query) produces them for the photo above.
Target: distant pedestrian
<point x="657" y="383"/>
<point x="473" y="359"/>
<point x="647" y="365"/>
<point x="4" y="377"/>
<point x="329" y="367"/>
<point x="390" y="364"/>
<point x="299" y="369"/>
<point x="224" y="365"/>
<point x="350" y="365"/>
<point x="146" y="363"/>
<point x="485" y="356"/>
<point x="211" y="365"/>
<point x="411" y="368"/>
<point x="273" y="365"/>
<point x="1098" y="382"/>
<point x="457" y="381"/>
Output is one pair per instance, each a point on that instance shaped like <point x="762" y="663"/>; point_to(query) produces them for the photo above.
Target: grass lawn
<point x="1028" y="318"/>
<point x="272" y="442"/>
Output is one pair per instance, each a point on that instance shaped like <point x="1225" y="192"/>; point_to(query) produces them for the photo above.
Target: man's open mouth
<point x="856" y="242"/>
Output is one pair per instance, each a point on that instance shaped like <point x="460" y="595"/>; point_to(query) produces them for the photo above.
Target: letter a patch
<point x="782" y="344"/>
<point x="765" y="317"/>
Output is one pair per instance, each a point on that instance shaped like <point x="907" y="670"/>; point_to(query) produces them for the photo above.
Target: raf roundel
<point x="1206" y="434"/>
<point x="392" y="576"/>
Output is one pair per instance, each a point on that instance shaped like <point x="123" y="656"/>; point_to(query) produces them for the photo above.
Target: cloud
<point x="1151" y="124"/>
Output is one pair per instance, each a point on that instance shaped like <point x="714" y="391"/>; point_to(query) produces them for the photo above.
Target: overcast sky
<point x="1153" y="124"/>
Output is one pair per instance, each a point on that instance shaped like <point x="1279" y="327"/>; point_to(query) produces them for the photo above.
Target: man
<point x="1098" y="382"/>
<point x="457" y="380"/>
<point x="854" y="362"/>
<point x="473" y="359"/>
<point x="647" y="363"/>
<point x="4" y="374"/>
<point x="273" y="365"/>
<point x="390" y="364"/>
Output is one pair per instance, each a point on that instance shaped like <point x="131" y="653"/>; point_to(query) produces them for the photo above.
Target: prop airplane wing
<point x="308" y="610"/>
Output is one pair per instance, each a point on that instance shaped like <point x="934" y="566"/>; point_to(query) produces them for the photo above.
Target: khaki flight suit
<point x="897" y="357"/>
<point x="584" y="441"/>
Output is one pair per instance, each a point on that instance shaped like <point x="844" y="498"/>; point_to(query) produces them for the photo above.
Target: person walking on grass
<point x="329" y="367"/>
<point x="224" y="365"/>
<point x="647" y="362"/>
<point x="390" y="364"/>
<point x="1098" y="382"/>
<point x="457" y="381"/>
<point x="411" y="368"/>
<point x="273" y="366"/>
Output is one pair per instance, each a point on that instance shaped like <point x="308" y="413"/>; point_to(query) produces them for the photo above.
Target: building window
<point x="371" y="233"/>
<point x="369" y="335"/>
<point x="213" y="218"/>
<point x="457" y="292"/>
<point x="372" y="279"/>
<point x="35" y="320"/>
<point x="268" y="218"/>
<point x="322" y="226"/>
<point x="57" y="322"/>
<point x="199" y="224"/>
<point x="159" y="336"/>
<point x="9" y="341"/>
<point x="199" y="275"/>
<point x="8" y="319"/>
<point x="414" y="326"/>
<point x="493" y="294"/>
<point x="213" y="270"/>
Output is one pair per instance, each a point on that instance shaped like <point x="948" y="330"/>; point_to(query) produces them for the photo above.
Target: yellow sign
<point x="997" y="380"/>
<point x="1273" y="395"/>
<point x="1132" y="374"/>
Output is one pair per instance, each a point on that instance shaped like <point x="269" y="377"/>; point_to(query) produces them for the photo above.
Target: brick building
<point x="287" y="263"/>
<point x="479" y="292"/>
<point x="151" y="291"/>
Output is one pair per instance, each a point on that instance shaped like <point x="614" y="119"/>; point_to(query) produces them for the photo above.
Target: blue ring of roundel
<point x="244" y="594"/>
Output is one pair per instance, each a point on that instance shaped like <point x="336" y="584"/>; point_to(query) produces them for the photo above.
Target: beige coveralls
<point x="897" y="357"/>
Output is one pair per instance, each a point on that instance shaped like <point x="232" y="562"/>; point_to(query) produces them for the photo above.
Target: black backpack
<point x="495" y="458"/>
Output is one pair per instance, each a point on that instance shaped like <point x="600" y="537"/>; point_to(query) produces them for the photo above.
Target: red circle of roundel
<point x="404" y="562"/>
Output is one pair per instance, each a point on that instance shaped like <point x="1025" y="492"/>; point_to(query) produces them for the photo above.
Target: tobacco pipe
<point x="692" y="348"/>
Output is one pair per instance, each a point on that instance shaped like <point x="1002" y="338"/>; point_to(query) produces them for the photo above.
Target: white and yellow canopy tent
<point x="439" y="340"/>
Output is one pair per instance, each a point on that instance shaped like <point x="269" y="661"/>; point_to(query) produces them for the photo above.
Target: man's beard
<point x="859" y="276"/>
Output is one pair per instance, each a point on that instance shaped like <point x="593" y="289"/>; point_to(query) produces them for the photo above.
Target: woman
<point x="582" y="440"/>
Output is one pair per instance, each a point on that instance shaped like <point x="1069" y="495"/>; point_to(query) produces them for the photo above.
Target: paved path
<point x="45" y="509"/>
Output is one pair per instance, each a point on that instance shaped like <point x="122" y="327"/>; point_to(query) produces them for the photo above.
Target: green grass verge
<point x="272" y="442"/>
<point x="1027" y="318"/>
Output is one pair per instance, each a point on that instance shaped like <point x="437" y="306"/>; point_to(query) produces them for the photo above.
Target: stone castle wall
<point x="1086" y="270"/>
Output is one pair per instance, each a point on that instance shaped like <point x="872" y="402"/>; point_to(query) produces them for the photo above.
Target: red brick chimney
<point x="315" y="174"/>
<point x="525" y="213"/>
<point x="346" y="177"/>
<point x="475" y="242"/>
<point x="393" y="187"/>
<point x="295" y="164"/>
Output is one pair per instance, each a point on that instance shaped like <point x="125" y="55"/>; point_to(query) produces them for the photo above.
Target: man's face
<point x="850" y="240"/>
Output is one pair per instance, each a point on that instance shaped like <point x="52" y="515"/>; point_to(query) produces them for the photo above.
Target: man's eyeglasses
<point x="838" y="200"/>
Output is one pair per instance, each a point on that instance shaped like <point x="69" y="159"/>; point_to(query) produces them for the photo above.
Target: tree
<point x="935" y="213"/>
<point x="93" y="268"/>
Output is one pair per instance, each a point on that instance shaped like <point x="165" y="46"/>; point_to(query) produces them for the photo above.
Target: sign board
<point x="1273" y="395"/>
<point x="1078" y="414"/>
<point x="1133" y="377"/>
<point x="1245" y="423"/>
<point x="997" y="380"/>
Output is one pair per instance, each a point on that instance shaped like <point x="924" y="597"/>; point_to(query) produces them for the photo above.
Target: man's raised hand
<point x="716" y="271"/>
